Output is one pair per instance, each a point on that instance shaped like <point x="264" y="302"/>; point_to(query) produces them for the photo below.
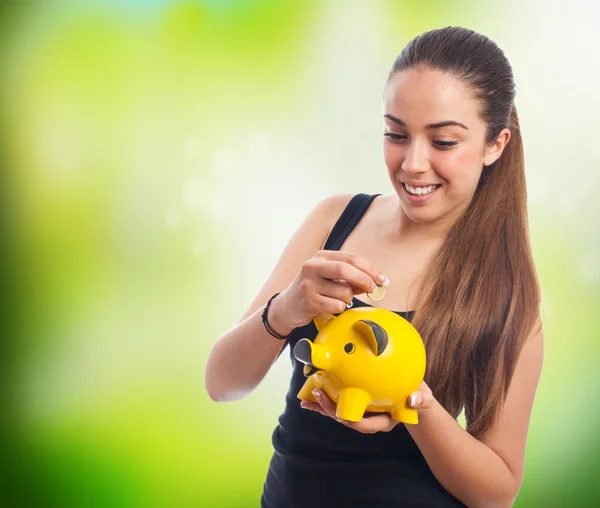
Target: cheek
<point x="458" y="167"/>
<point x="389" y="156"/>
<point x="392" y="156"/>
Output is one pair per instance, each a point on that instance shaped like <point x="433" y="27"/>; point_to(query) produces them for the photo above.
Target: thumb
<point x="421" y="400"/>
<point x="415" y="400"/>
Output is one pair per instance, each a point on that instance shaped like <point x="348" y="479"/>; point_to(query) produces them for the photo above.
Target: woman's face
<point x="434" y="143"/>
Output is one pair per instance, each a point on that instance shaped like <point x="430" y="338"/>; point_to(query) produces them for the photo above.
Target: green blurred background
<point x="156" y="157"/>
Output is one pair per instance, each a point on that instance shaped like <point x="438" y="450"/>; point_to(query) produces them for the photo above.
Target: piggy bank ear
<point x="374" y="333"/>
<point x="322" y="319"/>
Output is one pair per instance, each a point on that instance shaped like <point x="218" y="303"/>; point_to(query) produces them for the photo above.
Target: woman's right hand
<point x="325" y="284"/>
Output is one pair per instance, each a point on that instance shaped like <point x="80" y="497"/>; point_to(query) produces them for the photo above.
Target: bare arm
<point x="242" y="356"/>
<point x="485" y="472"/>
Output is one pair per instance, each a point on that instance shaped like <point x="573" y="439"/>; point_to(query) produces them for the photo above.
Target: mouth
<point x="309" y="370"/>
<point x="420" y="194"/>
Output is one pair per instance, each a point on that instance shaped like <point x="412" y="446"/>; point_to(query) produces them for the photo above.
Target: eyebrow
<point x="429" y="126"/>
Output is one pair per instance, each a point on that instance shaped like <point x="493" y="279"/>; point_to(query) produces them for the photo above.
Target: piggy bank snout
<point x="302" y="351"/>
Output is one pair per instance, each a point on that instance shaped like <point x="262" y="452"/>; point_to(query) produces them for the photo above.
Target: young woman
<point x="453" y="240"/>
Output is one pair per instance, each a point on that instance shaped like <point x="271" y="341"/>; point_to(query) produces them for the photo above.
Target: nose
<point x="302" y="351"/>
<point x="309" y="353"/>
<point x="415" y="160"/>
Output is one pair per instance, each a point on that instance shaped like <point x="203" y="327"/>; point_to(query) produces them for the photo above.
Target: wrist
<point x="275" y="317"/>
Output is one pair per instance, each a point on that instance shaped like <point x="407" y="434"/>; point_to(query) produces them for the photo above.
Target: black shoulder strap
<point x="350" y="217"/>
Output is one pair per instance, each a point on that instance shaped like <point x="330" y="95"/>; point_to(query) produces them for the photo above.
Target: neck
<point x="435" y="231"/>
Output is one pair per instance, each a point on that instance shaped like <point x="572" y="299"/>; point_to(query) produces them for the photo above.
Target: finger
<point x="330" y="407"/>
<point x="358" y="262"/>
<point x="355" y="289"/>
<point x="420" y="400"/>
<point x="313" y="406"/>
<point x="339" y="290"/>
<point x="340" y="270"/>
<point x="331" y="305"/>
<point x="379" y="423"/>
<point x="326" y="403"/>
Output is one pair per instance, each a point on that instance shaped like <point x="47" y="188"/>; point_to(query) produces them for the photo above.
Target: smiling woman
<point x="453" y="241"/>
<point x="445" y="157"/>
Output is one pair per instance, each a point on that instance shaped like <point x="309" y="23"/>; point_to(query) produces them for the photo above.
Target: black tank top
<point x="319" y="462"/>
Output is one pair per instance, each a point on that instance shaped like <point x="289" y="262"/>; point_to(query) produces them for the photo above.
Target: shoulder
<point x="326" y="212"/>
<point x="334" y="204"/>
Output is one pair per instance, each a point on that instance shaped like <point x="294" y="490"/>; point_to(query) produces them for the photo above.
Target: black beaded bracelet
<point x="266" y="322"/>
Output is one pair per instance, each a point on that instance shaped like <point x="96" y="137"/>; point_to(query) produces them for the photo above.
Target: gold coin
<point x="378" y="294"/>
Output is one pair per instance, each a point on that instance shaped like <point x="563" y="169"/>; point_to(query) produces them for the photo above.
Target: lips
<point x="421" y="190"/>
<point x="419" y="198"/>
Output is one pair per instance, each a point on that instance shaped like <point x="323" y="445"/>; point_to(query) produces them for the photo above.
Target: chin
<point x="420" y="216"/>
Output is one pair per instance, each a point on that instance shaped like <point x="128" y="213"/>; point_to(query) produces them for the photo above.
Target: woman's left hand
<point x="381" y="422"/>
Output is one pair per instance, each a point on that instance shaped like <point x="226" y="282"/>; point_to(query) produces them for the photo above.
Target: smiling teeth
<point x="419" y="191"/>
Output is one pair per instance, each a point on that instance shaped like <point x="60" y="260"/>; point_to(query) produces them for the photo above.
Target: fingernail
<point x="383" y="279"/>
<point x="413" y="400"/>
<point x="316" y="394"/>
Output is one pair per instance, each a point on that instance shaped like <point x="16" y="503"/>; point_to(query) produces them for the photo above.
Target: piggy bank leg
<point x="305" y="392"/>
<point x="352" y="404"/>
<point x="405" y="413"/>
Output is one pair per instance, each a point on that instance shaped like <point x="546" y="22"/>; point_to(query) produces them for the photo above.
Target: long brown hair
<point x="480" y="298"/>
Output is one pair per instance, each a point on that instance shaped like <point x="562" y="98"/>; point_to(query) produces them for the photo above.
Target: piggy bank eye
<point x="349" y="348"/>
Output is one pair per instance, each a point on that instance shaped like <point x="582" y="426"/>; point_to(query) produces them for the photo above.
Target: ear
<point x="374" y="333"/>
<point x="322" y="319"/>
<point x="494" y="151"/>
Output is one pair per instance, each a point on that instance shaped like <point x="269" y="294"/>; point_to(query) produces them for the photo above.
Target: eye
<point x="349" y="348"/>
<point x="445" y="145"/>
<point x="395" y="138"/>
<point x="440" y="145"/>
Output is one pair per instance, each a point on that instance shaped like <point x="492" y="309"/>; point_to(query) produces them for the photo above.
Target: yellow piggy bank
<point x="365" y="359"/>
